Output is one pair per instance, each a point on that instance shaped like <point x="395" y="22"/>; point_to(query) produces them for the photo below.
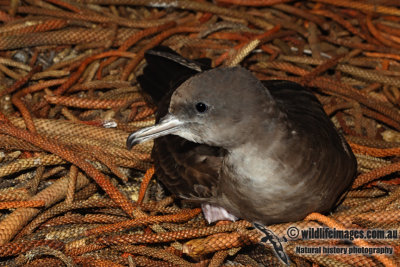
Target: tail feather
<point x="166" y="70"/>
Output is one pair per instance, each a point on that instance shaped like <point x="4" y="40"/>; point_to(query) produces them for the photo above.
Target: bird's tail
<point x="166" y="70"/>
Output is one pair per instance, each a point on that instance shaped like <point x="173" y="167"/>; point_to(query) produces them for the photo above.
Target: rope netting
<point x="72" y="194"/>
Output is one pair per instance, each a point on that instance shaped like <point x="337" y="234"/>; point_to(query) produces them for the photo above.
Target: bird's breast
<point x="262" y="168"/>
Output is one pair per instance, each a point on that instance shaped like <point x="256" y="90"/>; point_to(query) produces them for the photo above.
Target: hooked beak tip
<point x="131" y="141"/>
<point x="167" y="125"/>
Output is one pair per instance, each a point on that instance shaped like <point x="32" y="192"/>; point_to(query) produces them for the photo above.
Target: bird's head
<point x="216" y="107"/>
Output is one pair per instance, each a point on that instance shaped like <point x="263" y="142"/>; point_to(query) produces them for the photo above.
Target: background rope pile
<point x="72" y="195"/>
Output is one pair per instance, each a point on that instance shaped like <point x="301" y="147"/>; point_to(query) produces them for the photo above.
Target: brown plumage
<point x="262" y="151"/>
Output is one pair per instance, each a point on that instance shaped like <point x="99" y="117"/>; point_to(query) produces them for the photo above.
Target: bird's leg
<point x="216" y="213"/>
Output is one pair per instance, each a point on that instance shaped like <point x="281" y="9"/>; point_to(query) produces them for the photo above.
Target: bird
<point x="263" y="151"/>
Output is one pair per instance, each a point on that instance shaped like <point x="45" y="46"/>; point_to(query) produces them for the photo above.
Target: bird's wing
<point x="304" y="109"/>
<point x="189" y="170"/>
<point x="334" y="161"/>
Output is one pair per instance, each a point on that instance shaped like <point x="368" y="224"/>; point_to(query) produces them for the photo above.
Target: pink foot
<point x="216" y="213"/>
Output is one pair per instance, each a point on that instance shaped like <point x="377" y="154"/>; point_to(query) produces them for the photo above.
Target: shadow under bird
<point x="264" y="151"/>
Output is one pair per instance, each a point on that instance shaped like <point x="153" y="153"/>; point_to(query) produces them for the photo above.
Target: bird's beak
<point x="167" y="125"/>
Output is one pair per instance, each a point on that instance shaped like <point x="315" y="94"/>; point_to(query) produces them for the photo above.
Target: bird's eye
<point x="201" y="107"/>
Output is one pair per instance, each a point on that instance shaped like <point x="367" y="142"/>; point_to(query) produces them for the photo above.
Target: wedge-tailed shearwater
<point x="264" y="151"/>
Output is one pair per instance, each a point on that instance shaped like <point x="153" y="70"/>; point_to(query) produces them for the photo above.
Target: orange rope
<point x="21" y="204"/>
<point x="375" y="152"/>
<point x="145" y="182"/>
<point x="361" y="243"/>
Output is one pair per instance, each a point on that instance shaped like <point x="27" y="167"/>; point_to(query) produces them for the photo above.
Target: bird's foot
<point x="216" y="213"/>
